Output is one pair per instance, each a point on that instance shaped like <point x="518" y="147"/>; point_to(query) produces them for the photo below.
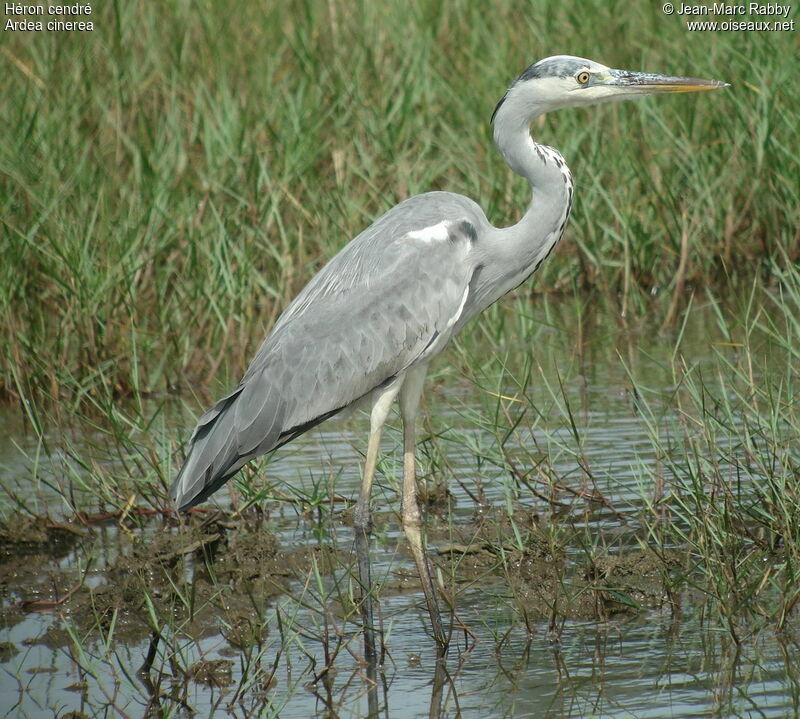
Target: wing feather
<point x="375" y="309"/>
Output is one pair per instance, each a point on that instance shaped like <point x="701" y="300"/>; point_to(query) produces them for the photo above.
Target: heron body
<point x="367" y="325"/>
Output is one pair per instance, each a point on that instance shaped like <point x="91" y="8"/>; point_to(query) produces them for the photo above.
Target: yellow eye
<point x="583" y="77"/>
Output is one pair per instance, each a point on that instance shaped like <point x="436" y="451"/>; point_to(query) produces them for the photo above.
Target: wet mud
<point x="215" y="574"/>
<point x="543" y="578"/>
<point x="212" y="575"/>
<point x="213" y="672"/>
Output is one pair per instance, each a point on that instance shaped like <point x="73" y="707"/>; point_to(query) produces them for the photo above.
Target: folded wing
<point x="389" y="299"/>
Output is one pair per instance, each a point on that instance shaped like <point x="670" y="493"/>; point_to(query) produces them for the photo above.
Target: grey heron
<point x="367" y="325"/>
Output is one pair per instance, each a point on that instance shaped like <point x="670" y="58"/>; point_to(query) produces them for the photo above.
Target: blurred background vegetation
<point x="171" y="180"/>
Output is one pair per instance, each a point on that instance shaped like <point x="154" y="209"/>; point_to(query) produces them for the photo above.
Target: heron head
<point x="566" y="81"/>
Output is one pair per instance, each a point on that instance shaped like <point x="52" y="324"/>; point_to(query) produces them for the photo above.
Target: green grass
<point x="169" y="182"/>
<point x="716" y="486"/>
<point x="716" y="477"/>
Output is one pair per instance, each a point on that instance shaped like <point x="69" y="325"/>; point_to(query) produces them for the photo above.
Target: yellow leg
<point x="412" y="520"/>
<point x="362" y="522"/>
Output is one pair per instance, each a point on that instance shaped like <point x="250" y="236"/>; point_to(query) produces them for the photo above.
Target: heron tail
<point x="240" y="427"/>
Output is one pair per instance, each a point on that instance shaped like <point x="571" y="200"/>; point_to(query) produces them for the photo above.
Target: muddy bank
<point x="545" y="582"/>
<point x="216" y="574"/>
<point x="213" y="574"/>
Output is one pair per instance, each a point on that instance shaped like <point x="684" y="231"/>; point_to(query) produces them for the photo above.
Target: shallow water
<point x="651" y="663"/>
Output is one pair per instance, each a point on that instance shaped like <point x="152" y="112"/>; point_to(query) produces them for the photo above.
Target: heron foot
<point x="412" y="525"/>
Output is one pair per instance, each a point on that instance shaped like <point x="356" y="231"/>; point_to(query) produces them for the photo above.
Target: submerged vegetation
<point x="627" y="446"/>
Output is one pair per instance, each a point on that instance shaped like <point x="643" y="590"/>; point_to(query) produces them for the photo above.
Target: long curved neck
<point x="543" y="167"/>
<point x="511" y="254"/>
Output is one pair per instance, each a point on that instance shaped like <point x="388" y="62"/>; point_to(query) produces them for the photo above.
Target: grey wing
<point x="390" y="299"/>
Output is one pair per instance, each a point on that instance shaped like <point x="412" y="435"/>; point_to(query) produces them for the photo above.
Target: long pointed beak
<point x="649" y="84"/>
